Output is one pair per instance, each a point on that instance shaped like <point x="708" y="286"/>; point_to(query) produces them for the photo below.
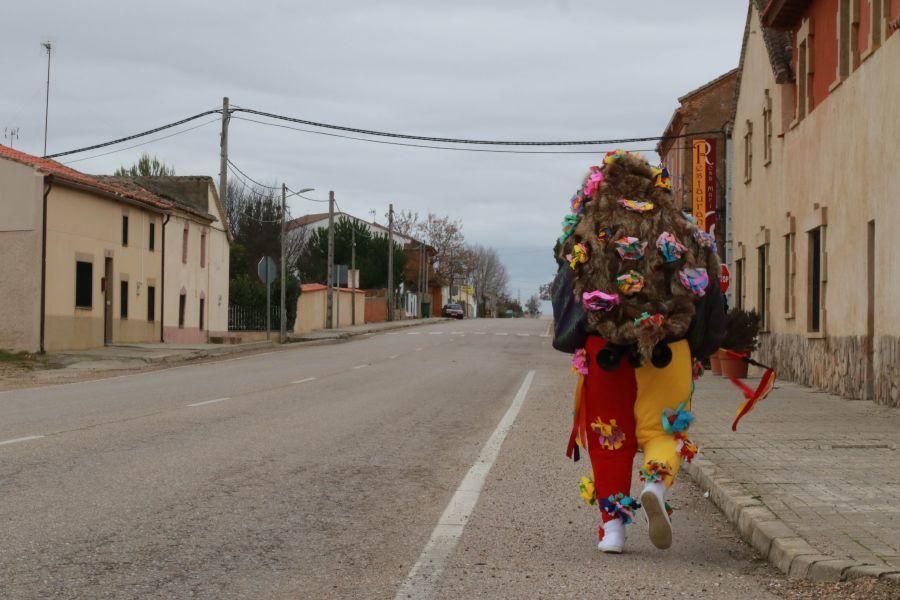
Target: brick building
<point x="708" y="108"/>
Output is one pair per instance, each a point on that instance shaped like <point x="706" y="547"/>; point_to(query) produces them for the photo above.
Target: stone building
<point x="814" y="202"/>
<point x="709" y="108"/>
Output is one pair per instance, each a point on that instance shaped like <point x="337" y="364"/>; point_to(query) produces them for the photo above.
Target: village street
<point x="321" y="472"/>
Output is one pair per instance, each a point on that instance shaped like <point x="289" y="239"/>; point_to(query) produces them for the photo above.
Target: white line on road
<point x="456" y="333"/>
<point x="423" y="576"/>
<point x="523" y="335"/>
<point x="501" y="334"/>
<point x="395" y="356"/>
<point x="304" y="380"/>
<point x="478" y="333"/>
<point x="549" y="327"/>
<point x="360" y="366"/>
<point x="391" y="333"/>
<point x="435" y="333"/>
<point x="209" y="401"/>
<point x="413" y="332"/>
<point x="27" y="438"/>
<point x="419" y="349"/>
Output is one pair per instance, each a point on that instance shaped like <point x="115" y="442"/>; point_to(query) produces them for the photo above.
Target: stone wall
<point x="835" y="364"/>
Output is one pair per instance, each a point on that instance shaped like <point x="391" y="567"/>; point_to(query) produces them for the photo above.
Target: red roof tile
<point x="64" y="173"/>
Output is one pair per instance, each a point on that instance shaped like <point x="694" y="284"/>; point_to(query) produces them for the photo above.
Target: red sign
<point x="724" y="279"/>
<point x="704" y="184"/>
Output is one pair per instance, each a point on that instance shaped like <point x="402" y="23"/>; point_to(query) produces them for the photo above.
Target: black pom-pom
<point x="662" y="355"/>
<point x="609" y="358"/>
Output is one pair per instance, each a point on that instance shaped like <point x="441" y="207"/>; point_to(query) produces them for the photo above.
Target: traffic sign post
<point x="267" y="271"/>
<point x="724" y="279"/>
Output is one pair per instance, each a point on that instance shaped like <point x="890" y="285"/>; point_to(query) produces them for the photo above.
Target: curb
<point x="772" y="537"/>
<point x="225" y="350"/>
<point x="336" y="336"/>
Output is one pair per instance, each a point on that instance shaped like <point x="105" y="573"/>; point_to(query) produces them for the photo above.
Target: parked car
<point x="454" y="311"/>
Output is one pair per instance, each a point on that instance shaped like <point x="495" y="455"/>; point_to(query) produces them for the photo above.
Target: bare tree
<point x="406" y="222"/>
<point x="533" y="306"/>
<point x="489" y="276"/>
<point x="445" y="236"/>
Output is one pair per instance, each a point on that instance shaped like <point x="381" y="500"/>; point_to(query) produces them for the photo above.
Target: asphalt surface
<point x="321" y="472"/>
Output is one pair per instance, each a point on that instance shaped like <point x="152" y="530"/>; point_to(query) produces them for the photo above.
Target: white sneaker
<point x="653" y="501"/>
<point x="613" y="537"/>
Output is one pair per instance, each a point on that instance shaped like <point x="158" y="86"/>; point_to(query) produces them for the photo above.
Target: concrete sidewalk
<point x="345" y="333"/>
<point x="126" y="356"/>
<point x="810" y="479"/>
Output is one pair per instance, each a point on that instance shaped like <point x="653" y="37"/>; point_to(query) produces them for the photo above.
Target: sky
<point x="489" y="69"/>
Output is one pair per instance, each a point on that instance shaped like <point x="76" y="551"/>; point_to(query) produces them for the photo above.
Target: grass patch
<point x="13" y="357"/>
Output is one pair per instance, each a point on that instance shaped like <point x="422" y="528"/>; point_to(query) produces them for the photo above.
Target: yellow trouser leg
<point x="658" y="389"/>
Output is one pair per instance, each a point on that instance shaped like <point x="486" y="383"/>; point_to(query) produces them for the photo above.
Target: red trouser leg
<point x="609" y="398"/>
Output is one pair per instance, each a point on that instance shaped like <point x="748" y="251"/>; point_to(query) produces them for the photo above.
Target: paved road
<point x="322" y="472"/>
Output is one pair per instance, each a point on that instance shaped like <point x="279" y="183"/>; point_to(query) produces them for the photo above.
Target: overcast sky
<point x="494" y="69"/>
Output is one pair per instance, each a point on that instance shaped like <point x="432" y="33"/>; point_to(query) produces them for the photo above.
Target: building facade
<point x="100" y="276"/>
<point x="816" y="139"/>
<point x="707" y="112"/>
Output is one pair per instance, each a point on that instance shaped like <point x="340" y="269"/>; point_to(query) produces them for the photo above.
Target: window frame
<point x="90" y="285"/>
<point x="151" y="239"/>
<point x="748" y="152"/>
<point x="185" y="239"/>
<point x="767" y="130"/>
<point x="151" y="303"/>
<point x="123" y="299"/>
<point x="815" y="289"/>
<point x="124" y="231"/>
<point x="203" y="250"/>
<point x="182" y="310"/>
<point x="790" y="274"/>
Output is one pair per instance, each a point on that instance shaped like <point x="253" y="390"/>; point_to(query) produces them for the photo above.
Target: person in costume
<point x="637" y="301"/>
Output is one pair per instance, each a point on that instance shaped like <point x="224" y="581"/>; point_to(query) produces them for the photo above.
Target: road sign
<point x="724" y="279"/>
<point x="267" y="270"/>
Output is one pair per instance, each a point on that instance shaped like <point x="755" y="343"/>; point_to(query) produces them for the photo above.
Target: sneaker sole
<point x="610" y="550"/>
<point x="660" y="526"/>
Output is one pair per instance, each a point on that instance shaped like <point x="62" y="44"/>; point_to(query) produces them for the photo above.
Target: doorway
<point x="107" y="301"/>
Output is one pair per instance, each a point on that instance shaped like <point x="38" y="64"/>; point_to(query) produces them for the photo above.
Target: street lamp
<point x="283" y="319"/>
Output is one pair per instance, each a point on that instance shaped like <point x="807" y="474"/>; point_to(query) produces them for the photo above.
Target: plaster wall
<point x="21" y="193"/>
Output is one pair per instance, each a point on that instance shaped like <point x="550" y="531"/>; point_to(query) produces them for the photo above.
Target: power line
<point x="268" y="187"/>
<point x="428" y="146"/>
<point x="162" y="137"/>
<point x="424" y="138"/>
<point x="136" y="135"/>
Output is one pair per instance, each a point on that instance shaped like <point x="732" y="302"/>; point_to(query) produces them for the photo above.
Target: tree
<point x="146" y="166"/>
<point x="489" y="277"/>
<point x="445" y="236"/>
<point x="533" y="306"/>
<point x="406" y="222"/>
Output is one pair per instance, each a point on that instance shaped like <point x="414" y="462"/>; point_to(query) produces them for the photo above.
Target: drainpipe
<point x="49" y="182"/>
<point x="162" y="286"/>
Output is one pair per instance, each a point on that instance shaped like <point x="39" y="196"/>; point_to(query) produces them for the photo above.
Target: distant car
<point x="454" y="311"/>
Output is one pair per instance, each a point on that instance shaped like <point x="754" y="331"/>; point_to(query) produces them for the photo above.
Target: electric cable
<point x="136" y="135"/>
<point x="162" y="137"/>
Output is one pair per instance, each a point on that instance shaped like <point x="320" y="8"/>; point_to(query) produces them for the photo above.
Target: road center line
<point x="209" y="401"/>
<point x="413" y="333"/>
<point x="395" y="356"/>
<point x="501" y="334"/>
<point x="360" y="366"/>
<point x="549" y="327"/>
<point x="27" y="438"/>
<point x="435" y="333"/>
<point x="419" y="349"/>
<point x="425" y="574"/>
<point x="304" y="380"/>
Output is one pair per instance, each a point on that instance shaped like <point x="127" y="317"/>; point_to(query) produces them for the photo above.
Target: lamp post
<point x="283" y="327"/>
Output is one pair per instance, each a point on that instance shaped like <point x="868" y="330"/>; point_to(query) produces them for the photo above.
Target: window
<point x="767" y="130"/>
<point x="124" y="230"/>
<point x="152" y="238"/>
<point x="202" y="251"/>
<point x="802" y="80"/>
<point x="84" y="284"/>
<point x="202" y="307"/>
<point x="814" y="316"/>
<point x="123" y="299"/>
<point x="184" y="245"/>
<point x="182" y="303"/>
<point x="739" y="284"/>
<point x="748" y="152"/>
<point x="876" y="27"/>
<point x="151" y="303"/>
<point x="789" y="276"/>
<point x="845" y="29"/>
<point x="762" y="287"/>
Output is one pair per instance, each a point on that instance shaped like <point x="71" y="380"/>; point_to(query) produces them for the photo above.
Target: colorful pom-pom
<point x="579" y="255"/>
<point x="597" y="300"/>
<point x="706" y="240"/>
<point x="604" y="234"/>
<point x="696" y="280"/>
<point x="580" y="362"/>
<point x="669" y="247"/>
<point x="661" y="178"/>
<point x="636" y="205"/>
<point x="568" y="226"/>
<point x="620" y="506"/>
<point x="678" y="420"/>
<point x="610" y="435"/>
<point x="686" y="448"/>
<point x="630" y="282"/>
<point x="648" y="320"/>
<point x="655" y="471"/>
<point x="630" y="248"/>
<point x="593" y="183"/>
<point x="586" y="491"/>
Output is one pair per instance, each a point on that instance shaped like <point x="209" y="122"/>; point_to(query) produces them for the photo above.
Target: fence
<point x="252" y="318"/>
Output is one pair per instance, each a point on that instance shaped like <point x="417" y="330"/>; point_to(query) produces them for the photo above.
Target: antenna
<point x="11" y="134"/>
<point x="47" y="46"/>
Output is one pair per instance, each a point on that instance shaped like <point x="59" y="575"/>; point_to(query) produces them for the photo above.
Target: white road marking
<point x="391" y="333"/>
<point x="421" y="580"/>
<point x="27" y="438"/>
<point x="523" y="335"/>
<point x="209" y="401"/>
<point x="395" y="356"/>
<point x="435" y="333"/>
<point x="304" y="380"/>
<point x="478" y="333"/>
<point x="360" y="366"/>
<point x="413" y="332"/>
<point x="419" y="349"/>
<point x="501" y="334"/>
<point x="549" y="327"/>
<point x="456" y="333"/>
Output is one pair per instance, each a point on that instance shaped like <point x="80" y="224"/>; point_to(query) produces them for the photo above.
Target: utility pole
<point x="353" y="274"/>
<point x="11" y="134"/>
<point x="283" y="269"/>
<point x="421" y="279"/>
<point x="391" y="262"/>
<point x="427" y="260"/>
<point x="223" y="155"/>
<point x="48" y="46"/>
<point x="329" y="314"/>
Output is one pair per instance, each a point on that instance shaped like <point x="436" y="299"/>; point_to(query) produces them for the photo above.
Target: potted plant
<point x="741" y="336"/>
<point x="715" y="363"/>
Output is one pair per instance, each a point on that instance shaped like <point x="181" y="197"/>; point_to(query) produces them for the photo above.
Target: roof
<point x="188" y="193"/>
<point x="305" y="220"/>
<point x="670" y="129"/>
<point x="66" y="175"/>
<point x="781" y="14"/>
<point x="779" y="45"/>
<point x="710" y="84"/>
<point x="316" y="217"/>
